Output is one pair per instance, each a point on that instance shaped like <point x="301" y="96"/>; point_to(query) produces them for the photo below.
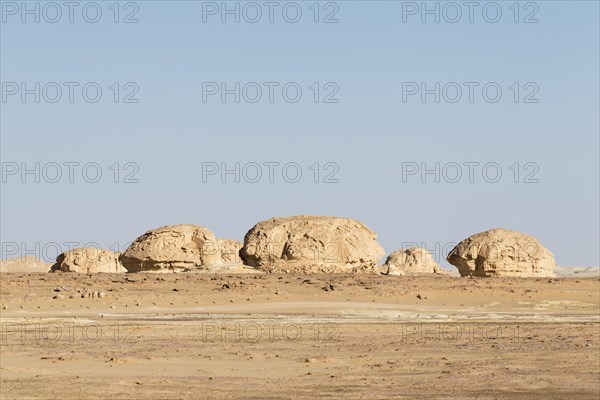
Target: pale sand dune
<point x="578" y="272"/>
<point x="27" y="264"/>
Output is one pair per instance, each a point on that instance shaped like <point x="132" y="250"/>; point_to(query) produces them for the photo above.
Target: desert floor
<point x="166" y="336"/>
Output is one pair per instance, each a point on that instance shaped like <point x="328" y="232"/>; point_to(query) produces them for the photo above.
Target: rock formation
<point x="230" y="251"/>
<point x="311" y="244"/>
<point x="24" y="265"/>
<point x="88" y="260"/>
<point x="177" y="248"/>
<point x="412" y="261"/>
<point x="502" y="253"/>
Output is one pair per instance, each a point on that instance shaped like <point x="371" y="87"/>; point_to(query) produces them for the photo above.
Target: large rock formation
<point x="230" y="251"/>
<point x="311" y="244"/>
<point x="500" y="253"/>
<point x="88" y="260"/>
<point x="412" y="261"/>
<point x="177" y="248"/>
<point x="24" y="264"/>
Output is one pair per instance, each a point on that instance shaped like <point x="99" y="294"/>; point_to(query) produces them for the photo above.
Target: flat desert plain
<point x="191" y="336"/>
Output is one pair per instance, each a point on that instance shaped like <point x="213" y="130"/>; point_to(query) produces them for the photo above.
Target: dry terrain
<point x="190" y="336"/>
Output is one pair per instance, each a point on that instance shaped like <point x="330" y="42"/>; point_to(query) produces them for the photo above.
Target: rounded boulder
<point x="312" y="244"/>
<point x="88" y="260"/>
<point x="412" y="261"/>
<point x="175" y="248"/>
<point x="502" y="253"/>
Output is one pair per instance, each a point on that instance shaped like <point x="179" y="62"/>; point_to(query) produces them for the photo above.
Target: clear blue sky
<point x="369" y="133"/>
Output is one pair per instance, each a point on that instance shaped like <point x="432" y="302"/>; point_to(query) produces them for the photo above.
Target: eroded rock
<point x="312" y="244"/>
<point x="502" y="253"/>
<point x="230" y="251"/>
<point x="88" y="260"/>
<point x="177" y="248"/>
<point x="412" y="261"/>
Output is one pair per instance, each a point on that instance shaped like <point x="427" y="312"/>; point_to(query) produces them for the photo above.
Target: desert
<point x="309" y="200"/>
<point x="180" y="318"/>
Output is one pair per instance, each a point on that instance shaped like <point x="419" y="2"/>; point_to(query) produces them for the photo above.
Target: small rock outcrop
<point x="88" y="260"/>
<point x="24" y="264"/>
<point x="176" y="248"/>
<point x="412" y="261"/>
<point x="230" y="251"/>
<point x="502" y="253"/>
<point x="312" y="244"/>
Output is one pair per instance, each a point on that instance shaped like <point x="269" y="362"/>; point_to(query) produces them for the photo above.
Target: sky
<point x="427" y="121"/>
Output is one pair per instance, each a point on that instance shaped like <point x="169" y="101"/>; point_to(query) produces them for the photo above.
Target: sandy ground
<point x="167" y="336"/>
